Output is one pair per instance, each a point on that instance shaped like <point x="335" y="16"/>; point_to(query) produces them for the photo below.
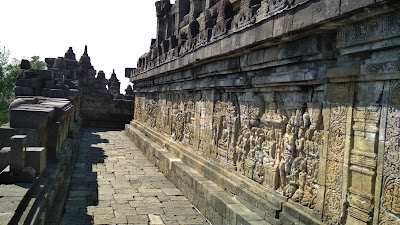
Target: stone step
<point x="219" y="205"/>
<point x="267" y="200"/>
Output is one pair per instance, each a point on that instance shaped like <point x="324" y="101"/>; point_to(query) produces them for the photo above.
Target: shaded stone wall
<point x="106" y="112"/>
<point x="102" y="103"/>
<point x="307" y="109"/>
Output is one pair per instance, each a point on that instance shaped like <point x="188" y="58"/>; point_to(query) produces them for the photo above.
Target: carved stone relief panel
<point x="203" y="120"/>
<point x="225" y="128"/>
<point x="271" y="143"/>
<point x="390" y="208"/>
<point x="333" y="203"/>
<point x="151" y="112"/>
<point x="138" y="108"/>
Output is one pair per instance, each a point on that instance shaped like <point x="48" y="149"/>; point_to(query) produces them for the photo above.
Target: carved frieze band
<point x="275" y="146"/>
<point x="373" y="29"/>
<point x="213" y="24"/>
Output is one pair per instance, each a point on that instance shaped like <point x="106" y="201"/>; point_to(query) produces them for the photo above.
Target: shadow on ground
<point x="83" y="190"/>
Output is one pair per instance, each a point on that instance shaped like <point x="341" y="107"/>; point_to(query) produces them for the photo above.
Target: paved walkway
<point x="114" y="183"/>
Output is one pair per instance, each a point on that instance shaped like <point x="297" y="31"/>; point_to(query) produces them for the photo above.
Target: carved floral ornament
<point x="391" y="198"/>
<point x="372" y="29"/>
<point x="395" y="94"/>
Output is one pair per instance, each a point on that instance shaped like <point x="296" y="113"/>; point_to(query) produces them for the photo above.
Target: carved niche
<point x="225" y="129"/>
<point x="246" y="15"/>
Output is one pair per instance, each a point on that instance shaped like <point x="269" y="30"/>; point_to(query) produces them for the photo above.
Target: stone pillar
<point x="17" y="156"/>
<point x="36" y="158"/>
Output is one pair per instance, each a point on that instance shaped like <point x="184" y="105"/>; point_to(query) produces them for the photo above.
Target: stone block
<point x="29" y="74"/>
<point x="283" y="23"/>
<point x="59" y="93"/>
<point x="38" y="91"/>
<point x="71" y="84"/>
<point x="339" y="72"/>
<point x="17" y="154"/>
<point x="30" y="117"/>
<point x="326" y="9"/>
<point x="4" y="158"/>
<point x="303" y="16"/>
<point x="24" y="91"/>
<point x="37" y="83"/>
<point x="49" y="84"/>
<point x="350" y="5"/>
<point x="23" y="82"/>
<point x="45" y="74"/>
<point x="36" y="158"/>
<point x="46" y="92"/>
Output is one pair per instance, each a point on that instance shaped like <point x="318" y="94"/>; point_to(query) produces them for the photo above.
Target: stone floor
<point x="114" y="183"/>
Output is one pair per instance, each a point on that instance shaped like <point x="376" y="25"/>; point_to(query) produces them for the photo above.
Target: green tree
<point x="11" y="74"/>
<point x="4" y="55"/>
<point x="36" y="64"/>
<point x="8" y="77"/>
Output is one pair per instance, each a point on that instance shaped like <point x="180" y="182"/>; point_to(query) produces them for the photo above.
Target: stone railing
<point x="302" y="107"/>
<point x="38" y="146"/>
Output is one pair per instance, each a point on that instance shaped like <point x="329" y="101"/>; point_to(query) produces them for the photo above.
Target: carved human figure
<point x="258" y="174"/>
<point x="306" y="119"/>
<point x="269" y="149"/>
<point x="300" y="142"/>
<point x="223" y="141"/>
<point x="310" y="196"/>
<point x="299" y="178"/>
<point x="243" y="147"/>
<point x="253" y="143"/>
<point x="308" y="145"/>
<point x="287" y="156"/>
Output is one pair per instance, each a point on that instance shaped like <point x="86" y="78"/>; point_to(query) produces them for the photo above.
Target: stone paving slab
<point x="11" y="196"/>
<point x="114" y="183"/>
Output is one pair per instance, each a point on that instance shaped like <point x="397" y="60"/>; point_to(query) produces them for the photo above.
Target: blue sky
<point x="117" y="32"/>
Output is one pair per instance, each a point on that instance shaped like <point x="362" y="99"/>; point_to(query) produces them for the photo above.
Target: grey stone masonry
<point x="18" y="151"/>
<point x="114" y="183"/>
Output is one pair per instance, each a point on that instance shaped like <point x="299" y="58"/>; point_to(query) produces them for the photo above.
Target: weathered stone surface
<point x="36" y="158"/>
<point x="4" y="158"/>
<point x="17" y="154"/>
<point x="30" y="117"/>
<point x="259" y="111"/>
<point x="130" y="188"/>
<point x="23" y="82"/>
<point x="302" y="114"/>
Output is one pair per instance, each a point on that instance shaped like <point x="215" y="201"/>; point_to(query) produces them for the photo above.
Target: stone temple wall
<point x="299" y="98"/>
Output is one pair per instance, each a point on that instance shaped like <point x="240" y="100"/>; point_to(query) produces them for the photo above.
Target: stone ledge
<point x="203" y="193"/>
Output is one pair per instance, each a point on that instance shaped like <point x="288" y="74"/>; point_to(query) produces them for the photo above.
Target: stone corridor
<point x="114" y="183"/>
